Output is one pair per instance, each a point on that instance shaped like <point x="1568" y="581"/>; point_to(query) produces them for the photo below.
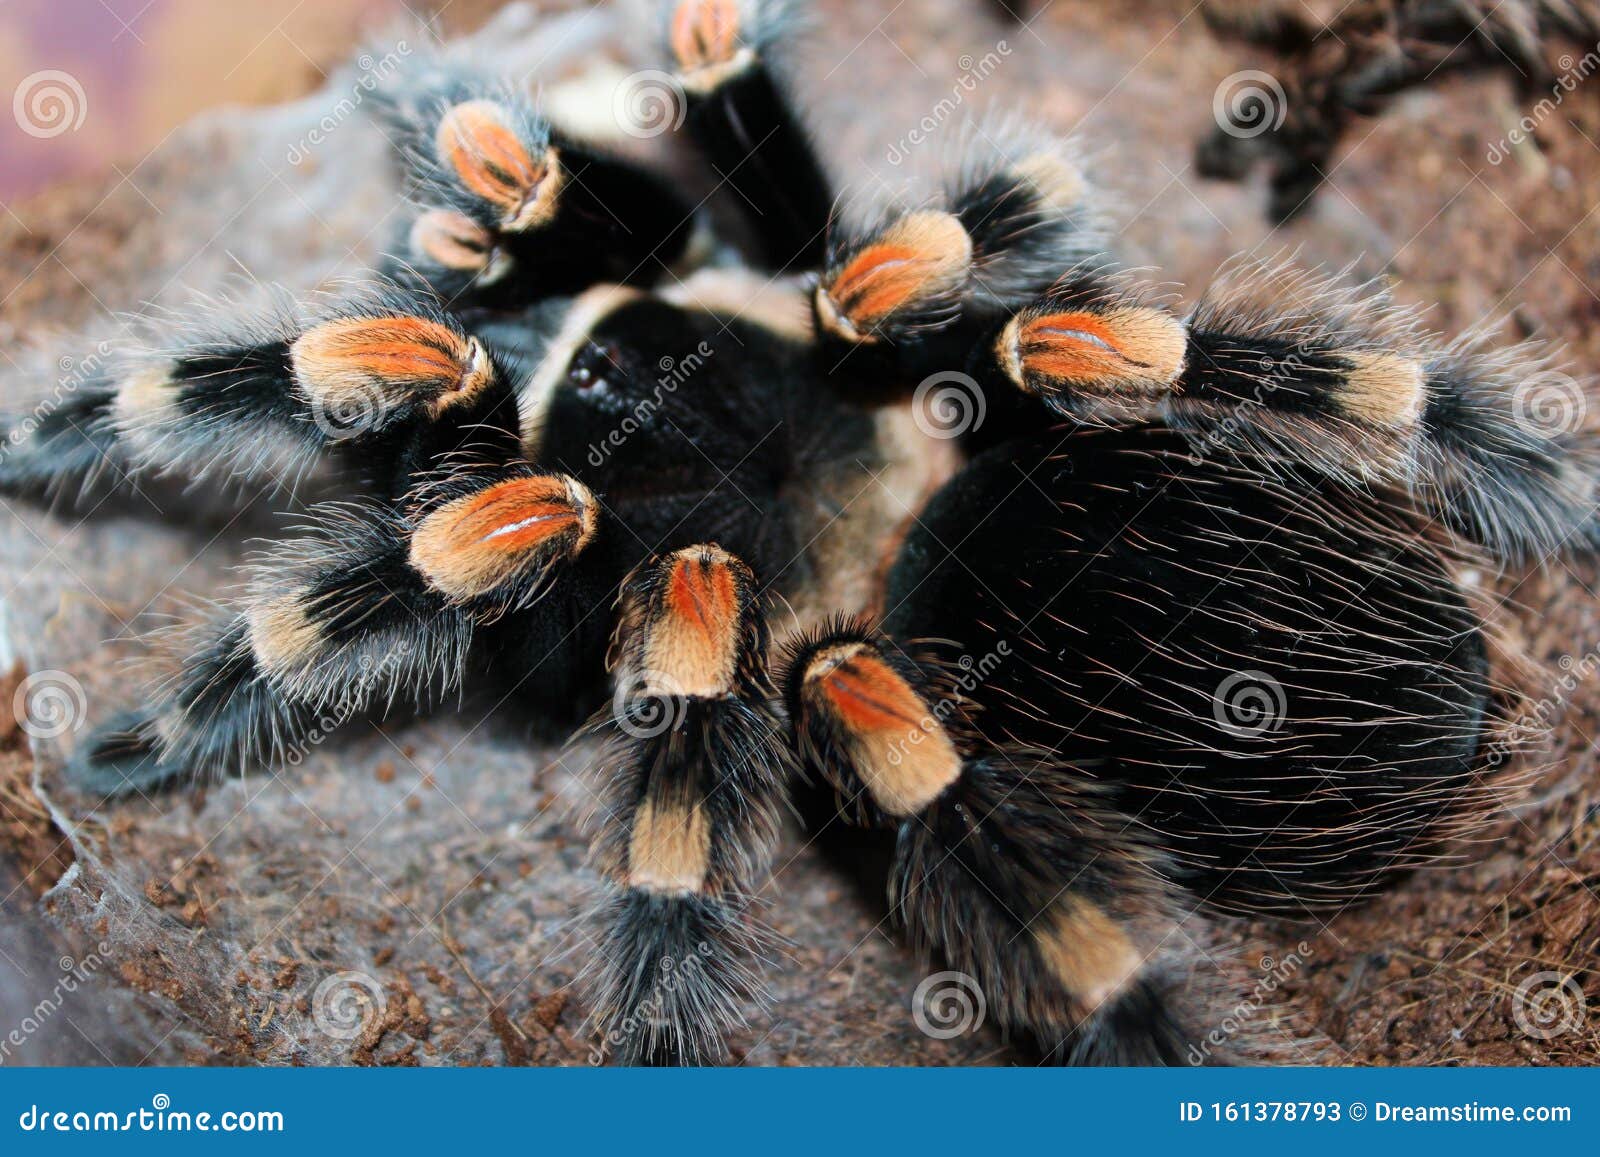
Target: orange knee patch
<point x="918" y="259"/>
<point x="692" y="642"/>
<point x="359" y="365"/>
<point x="902" y="753"/>
<point x="1115" y="350"/>
<point x="705" y="39"/>
<point x="452" y="240"/>
<point x="473" y="545"/>
<point x="478" y="141"/>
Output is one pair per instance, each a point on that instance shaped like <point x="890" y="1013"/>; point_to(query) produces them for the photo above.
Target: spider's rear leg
<point x="371" y="611"/>
<point x="727" y="54"/>
<point x="375" y="382"/>
<point x="1012" y="867"/>
<point x="695" y="771"/>
<point x="510" y="209"/>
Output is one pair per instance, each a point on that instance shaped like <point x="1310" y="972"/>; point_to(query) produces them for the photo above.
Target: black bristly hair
<point x="1182" y="624"/>
<point x="728" y="57"/>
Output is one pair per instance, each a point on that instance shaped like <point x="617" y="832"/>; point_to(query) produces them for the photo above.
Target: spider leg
<point x="374" y="381"/>
<point x="696" y="771"/>
<point x="727" y="54"/>
<point x="911" y="291"/>
<point x="1014" y="868"/>
<point x="1300" y="371"/>
<point x="369" y="609"/>
<point x="509" y="209"/>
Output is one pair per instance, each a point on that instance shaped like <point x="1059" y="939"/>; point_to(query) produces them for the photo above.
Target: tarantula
<point x="1357" y="61"/>
<point x="1175" y="620"/>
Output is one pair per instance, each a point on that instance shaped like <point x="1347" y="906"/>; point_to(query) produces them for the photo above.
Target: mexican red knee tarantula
<point x="1172" y="622"/>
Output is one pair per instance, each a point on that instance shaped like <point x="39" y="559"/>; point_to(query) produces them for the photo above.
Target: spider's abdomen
<point x="1278" y="678"/>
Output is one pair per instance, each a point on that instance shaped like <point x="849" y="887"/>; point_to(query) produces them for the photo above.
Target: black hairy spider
<point x="1357" y="61"/>
<point x="1179" y="624"/>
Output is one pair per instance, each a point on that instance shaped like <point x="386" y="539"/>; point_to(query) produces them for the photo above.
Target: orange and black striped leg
<point x="334" y="627"/>
<point x="511" y="210"/>
<point x="740" y="114"/>
<point x="914" y="292"/>
<point x="1328" y="379"/>
<point x="373" y="612"/>
<point x="1007" y="866"/>
<point x="268" y="398"/>
<point x="695" y="772"/>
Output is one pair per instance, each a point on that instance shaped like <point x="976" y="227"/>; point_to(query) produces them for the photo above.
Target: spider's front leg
<point x="366" y="383"/>
<point x="371" y="609"/>
<point x="510" y="209"/>
<point x="696" y="772"/>
<point x="728" y="57"/>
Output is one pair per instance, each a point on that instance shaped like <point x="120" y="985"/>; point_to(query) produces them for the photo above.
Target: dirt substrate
<point x="407" y="896"/>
